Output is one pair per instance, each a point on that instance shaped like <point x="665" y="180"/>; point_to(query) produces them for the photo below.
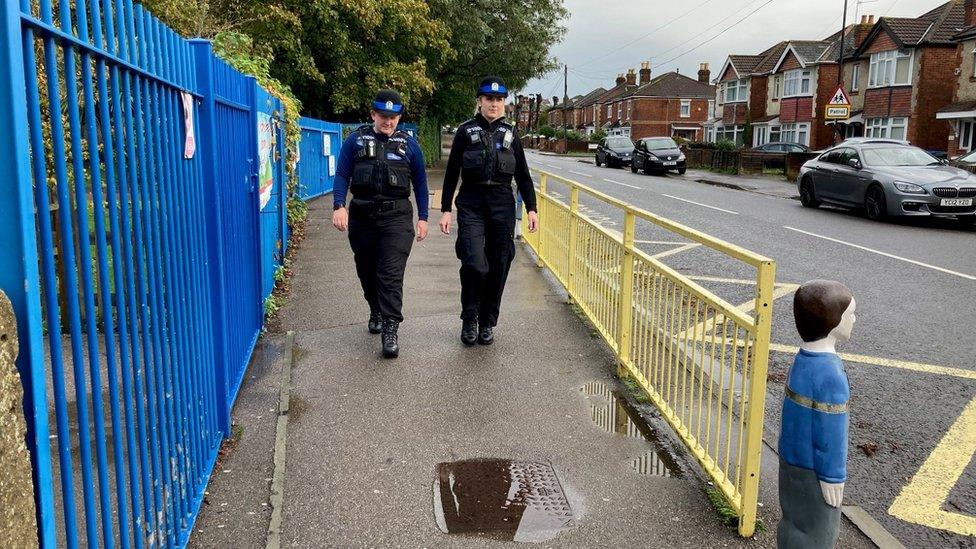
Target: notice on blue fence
<point x="265" y="150"/>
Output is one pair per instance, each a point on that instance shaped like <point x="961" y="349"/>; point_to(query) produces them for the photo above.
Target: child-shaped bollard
<point x="813" y="437"/>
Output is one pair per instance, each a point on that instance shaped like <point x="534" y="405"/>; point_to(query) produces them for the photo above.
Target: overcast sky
<point x="680" y="35"/>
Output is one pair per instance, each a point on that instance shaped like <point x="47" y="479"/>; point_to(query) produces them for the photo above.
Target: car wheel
<point x="807" y="195"/>
<point x="874" y="203"/>
<point x="682" y="171"/>
<point x="968" y="221"/>
<point x="633" y="167"/>
<point x="597" y="160"/>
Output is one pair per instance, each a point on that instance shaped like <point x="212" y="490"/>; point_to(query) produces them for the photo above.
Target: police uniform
<point x="487" y="156"/>
<point x="380" y="170"/>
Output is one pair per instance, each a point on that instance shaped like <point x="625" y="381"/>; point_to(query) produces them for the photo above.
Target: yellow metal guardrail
<point x="701" y="360"/>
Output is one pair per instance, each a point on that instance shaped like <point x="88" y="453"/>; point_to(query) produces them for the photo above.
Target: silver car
<point x="888" y="178"/>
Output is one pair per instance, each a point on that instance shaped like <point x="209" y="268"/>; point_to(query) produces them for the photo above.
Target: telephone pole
<point x="565" y="101"/>
<point x="840" y="60"/>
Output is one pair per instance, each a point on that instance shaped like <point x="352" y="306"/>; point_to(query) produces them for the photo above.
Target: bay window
<point x="795" y="133"/>
<point x="797" y="82"/>
<point x="886" y="128"/>
<point x="890" y="68"/>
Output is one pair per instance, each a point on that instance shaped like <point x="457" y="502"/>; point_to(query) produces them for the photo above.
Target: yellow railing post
<point x="541" y="213"/>
<point x="573" y="235"/>
<point x="626" y="294"/>
<point x="757" y="398"/>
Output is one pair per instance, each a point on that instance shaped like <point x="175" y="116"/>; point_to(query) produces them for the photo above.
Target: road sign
<point x="839" y="106"/>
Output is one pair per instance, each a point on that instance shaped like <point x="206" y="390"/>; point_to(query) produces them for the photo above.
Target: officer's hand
<point x="340" y="219"/>
<point x="421" y="230"/>
<point x="533" y="222"/>
<point x="445" y="223"/>
<point x="833" y="494"/>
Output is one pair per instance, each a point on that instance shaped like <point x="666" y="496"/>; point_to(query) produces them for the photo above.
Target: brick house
<point x="668" y="105"/>
<point x="587" y="114"/>
<point x="961" y="113"/>
<point x="609" y="107"/>
<point x="741" y="95"/>
<point x="906" y="68"/>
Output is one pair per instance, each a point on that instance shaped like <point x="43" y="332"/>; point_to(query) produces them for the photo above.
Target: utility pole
<point x="565" y="101"/>
<point x="840" y="60"/>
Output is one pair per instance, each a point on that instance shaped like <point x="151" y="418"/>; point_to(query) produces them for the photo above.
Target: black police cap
<point x="388" y="102"/>
<point x="492" y="85"/>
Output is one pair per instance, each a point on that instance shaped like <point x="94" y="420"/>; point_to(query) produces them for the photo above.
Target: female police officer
<point x="379" y="164"/>
<point x="488" y="155"/>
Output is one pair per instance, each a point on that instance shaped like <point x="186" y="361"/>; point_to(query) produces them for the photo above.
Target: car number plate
<point x="671" y="163"/>
<point x="957" y="201"/>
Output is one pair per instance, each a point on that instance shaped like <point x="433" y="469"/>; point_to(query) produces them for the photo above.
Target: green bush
<point x="597" y="136"/>
<point x="547" y="131"/>
<point x="726" y="145"/>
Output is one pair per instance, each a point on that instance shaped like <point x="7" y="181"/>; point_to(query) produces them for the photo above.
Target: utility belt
<point x="379" y="205"/>
<point x="488" y="183"/>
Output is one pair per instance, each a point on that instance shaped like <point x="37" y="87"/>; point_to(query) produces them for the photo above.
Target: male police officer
<point x="487" y="155"/>
<point x="379" y="164"/>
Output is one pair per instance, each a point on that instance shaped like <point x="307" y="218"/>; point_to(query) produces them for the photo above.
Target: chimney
<point x="555" y="100"/>
<point x="620" y="79"/>
<point x="645" y="72"/>
<point x="704" y="75"/>
<point x="870" y="20"/>
<point x="864" y="20"/>
<point x="970" y="10"/>
<point x="631" y="78"/>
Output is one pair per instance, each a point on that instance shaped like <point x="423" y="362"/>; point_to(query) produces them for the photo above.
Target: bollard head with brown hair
<point x="819" y="307"/>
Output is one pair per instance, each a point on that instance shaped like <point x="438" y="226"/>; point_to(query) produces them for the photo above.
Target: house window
<point x="777" y="86"/>
<point x="795" y="133"/>
<point x="735" y="91"/>
<point x="759" y="136"/>
<point x="711" y="108"/>
<point x="886" y="128"/>
<point x="619" y="106"/>
<point x="965" y="133"/>
<point x="797" y="82"/>
<point x="855" y="77"/>
<point x="890" y="68"/>
<point x="629" y="105"/>
<point x="609" y="111"/>
<point x="730" y="133"/>
<point x="686" y="108"/>
<point x="974" y="63"/>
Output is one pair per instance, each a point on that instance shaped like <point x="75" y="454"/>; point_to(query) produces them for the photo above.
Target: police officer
<point x="380" y="164"/>
<point x="488" y="155"/>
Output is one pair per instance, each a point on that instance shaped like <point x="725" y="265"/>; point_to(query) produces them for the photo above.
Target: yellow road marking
<point x="920" y="502"/>
<point x="888" y="362"/>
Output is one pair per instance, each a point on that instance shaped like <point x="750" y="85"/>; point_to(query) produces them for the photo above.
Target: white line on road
<point x="619" y="183"/>
<point x="580" y="173"/>
<point x="700" y="204"/>
<point x="885" y="254"/>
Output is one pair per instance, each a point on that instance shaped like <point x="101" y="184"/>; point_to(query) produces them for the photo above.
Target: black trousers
<point x="381" y="241"/>
<point x="486" y="248"/>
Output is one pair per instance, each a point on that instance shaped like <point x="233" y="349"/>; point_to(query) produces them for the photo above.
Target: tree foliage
<point x="334" y="54"/>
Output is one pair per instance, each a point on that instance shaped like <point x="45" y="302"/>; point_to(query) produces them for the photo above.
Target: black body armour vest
<point x="488" y="158"/>
<point x="381" y="170"/>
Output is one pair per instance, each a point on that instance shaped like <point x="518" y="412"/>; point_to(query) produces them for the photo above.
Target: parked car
<point x="966" y="162"/>
<point x="888" y="178"/>
<point x="614" y="151"/>
<point x="782" y="147"/>
<point x="658" y="155"/>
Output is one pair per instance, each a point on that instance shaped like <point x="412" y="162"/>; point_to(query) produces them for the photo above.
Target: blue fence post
<point x="19" y="275"/>
<point x="203" y="58"/>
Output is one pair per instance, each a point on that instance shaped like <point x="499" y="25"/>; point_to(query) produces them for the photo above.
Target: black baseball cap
<point x="388" y="102"/>
<point x="492" y="85"/>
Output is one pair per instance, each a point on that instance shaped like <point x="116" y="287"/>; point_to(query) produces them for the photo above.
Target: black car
<point x="782" y="147"/>
<point x="614" y="151"/>
<point x="658" y="155"/>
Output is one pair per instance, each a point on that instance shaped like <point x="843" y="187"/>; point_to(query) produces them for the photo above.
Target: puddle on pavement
<point x="507" y="500"/>
<point x="612" y="413"/>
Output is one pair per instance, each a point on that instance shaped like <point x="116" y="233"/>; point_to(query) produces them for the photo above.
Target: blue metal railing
<point x="136" y="265"/>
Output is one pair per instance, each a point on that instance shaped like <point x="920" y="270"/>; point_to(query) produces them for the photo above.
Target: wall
<point x="966" y="83"/>
<point x="18" y="527"/>
<point x="653" y="117"/>
<point x="935" y="88"/>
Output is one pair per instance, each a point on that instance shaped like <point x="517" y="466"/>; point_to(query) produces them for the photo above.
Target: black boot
<point x="469" y="332"/>
<point x="485" y="335"/>
<point x="375" y="324"/>
<point x="391" y="347"/>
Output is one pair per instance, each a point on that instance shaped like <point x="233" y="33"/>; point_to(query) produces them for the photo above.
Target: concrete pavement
<point x="365" y="435"/>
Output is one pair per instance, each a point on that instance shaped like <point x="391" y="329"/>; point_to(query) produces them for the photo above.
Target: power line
<point x="719" y="22"/>
<point x="891" y="7"/>
<point x="638" y="39"/>
<point x="719" y="34"/>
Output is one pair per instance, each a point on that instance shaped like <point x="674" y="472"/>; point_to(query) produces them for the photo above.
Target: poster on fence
<point x="190" y="143"/>
<point x="265" y="149"/>
<point x="332" y="166"/>
<point x="326" y="144"/>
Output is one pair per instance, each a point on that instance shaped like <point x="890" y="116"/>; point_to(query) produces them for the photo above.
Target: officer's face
<point x="492" y="106"/>
<point x="384" y="123"/>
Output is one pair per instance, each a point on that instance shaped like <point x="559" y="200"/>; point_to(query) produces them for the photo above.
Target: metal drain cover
<point x="501" y="499"/>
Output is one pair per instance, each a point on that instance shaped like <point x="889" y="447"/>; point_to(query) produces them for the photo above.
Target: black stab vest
<point x="488" y="157"/>
<point x="381" y="170"/>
